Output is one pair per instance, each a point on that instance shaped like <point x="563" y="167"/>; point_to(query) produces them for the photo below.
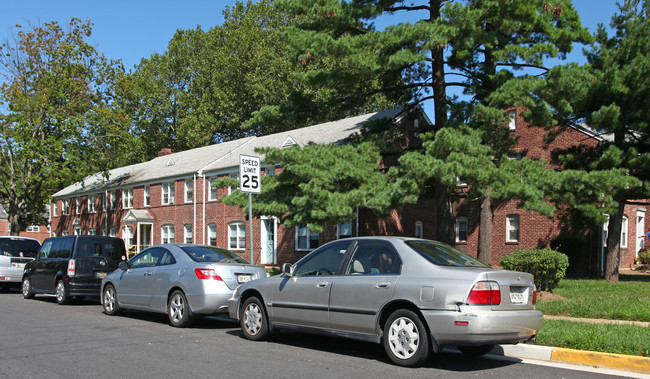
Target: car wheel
<point x="28" y="291"/>
<point x="61" y="294"/>
<point x="405" y="339"/>
<point x="252" y="318"/>
<point x="178" y="310"/>
<point x="109" y="302"/>
<point x="476" y="351"/>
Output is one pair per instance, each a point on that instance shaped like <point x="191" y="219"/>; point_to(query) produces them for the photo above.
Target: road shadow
<point x="446" y="360"/>
<point x="205" y="322"/>
<point x="75" y="301"/>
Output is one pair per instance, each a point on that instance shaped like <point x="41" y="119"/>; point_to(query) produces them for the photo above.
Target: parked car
<point x="183" y="280"/>
<point x="414" y="296"/>
<point x="72" y="266"/>
<point x="15" y="252"/>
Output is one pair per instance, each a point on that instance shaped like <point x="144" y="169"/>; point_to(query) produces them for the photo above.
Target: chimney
<point x="164" y="151"/>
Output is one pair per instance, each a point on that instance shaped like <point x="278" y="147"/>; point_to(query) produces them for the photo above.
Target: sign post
<point x="250" y="182"/>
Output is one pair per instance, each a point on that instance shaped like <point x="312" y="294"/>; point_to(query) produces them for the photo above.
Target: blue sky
<point x="131" y="30"/>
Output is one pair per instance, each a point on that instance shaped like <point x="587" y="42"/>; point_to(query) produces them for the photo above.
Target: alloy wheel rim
<point x="176" y="308"/>
<point x="109" y="299"/>
<point x="403" y="338"/>
<point x="60" y="291"/>
<point x="253" y="319"/>
<point x="25" y="287"/>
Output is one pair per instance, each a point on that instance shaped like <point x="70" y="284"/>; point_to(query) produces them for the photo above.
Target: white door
<point x="269" y="228"/>
<point x="640" y="228"/>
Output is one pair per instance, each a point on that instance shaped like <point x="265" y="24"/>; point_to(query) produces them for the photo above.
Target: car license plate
<point x="18" y="265"/>
<point x="243" y="278"/>
<point x="100" y="275"/>
<point x="518" y="295"/>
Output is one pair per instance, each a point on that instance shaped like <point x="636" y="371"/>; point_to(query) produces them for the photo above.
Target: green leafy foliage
<point x="548" y="266"/>
<point x="644" y="257"/>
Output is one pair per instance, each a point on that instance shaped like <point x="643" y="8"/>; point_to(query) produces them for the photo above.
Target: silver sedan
<point x="182" y="280"/>
<point x="414" y="296"/>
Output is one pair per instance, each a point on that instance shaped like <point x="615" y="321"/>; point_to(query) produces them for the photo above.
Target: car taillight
<point x="207" y="273"/>
<point x="485" y="293"/>
<point x="534" y="297"/>
<point x="71" y="267"/>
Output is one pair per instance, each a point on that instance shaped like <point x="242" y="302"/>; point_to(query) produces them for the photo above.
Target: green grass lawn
<point x="628" y="299"/>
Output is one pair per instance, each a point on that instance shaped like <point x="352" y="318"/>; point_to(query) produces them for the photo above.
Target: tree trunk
<point x="485" y="229"/>
<point x="612" y="257"/>
<point x="14" y="228"/>
<point x="444" y="215"/>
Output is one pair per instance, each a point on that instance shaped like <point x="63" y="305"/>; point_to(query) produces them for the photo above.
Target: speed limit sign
<point x="249" y="174"/>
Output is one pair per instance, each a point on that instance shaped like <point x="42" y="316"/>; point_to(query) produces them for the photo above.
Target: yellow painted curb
<point x="614" y="361"/>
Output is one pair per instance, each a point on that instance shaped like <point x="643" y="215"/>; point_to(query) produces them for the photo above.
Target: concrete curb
<point x="579" y="357"/>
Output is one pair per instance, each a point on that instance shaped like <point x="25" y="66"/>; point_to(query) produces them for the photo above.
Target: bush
<point x="547" y="266"/>
<point x="644" y="257"/>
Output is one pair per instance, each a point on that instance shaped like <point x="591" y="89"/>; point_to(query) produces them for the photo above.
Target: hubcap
<point x="26" y="287"/>
<point x="176" y="308"/>
<point x="403" y="338"/>
<point x="60" y="291"/>
<point x="109" y="299"/>
<point x="253" y="319"/>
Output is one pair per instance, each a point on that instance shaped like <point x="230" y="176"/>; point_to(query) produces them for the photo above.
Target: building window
<point x="344" y="230"/>
<point x="188" y="233"/>
<point x="92" y="203"/>
<point x="127" y="198"/>
<point x="92" y="232"/>
<point x="237" y="236"/>
<point x="512" y="122"/>
<point x="624" y="232"/>
<point x="127" y="236"/>
<point x="113" y="232"/>
<point x="64" y="233"/>
<point x="512" y="228"/>
<point x="270" y="171"/>
<point x="212" y="194"/>
<point x="168" y="193"/>
<point x="65" y="207"/>
<point x="33" y="228"/>
<point x="113" y="195"/>
<point x="54" y="209"/>
<point x="419" y="229"/>
<point x="212" y="234"/>
<point x="233" y="176"/>
<point x="306" y="239"/>
<point x="461" y="229"/>
<point x="77" y="206"/>
<point x="147" y="196"/>
<point x="189" y="190"/>
<point x="167" y="234"/>
<point x="77" y="230"/>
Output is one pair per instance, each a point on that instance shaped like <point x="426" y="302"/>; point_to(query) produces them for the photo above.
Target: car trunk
<point x="92" y="269"/>
<point x="236" y="274"/>
<point x="517" y="290"/>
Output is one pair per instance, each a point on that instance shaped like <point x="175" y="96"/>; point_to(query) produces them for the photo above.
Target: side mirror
<point x="123" y="265"/>
<point x="287" y="269"/>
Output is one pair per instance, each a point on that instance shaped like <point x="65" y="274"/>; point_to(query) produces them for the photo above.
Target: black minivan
<point x="72" y="266"/>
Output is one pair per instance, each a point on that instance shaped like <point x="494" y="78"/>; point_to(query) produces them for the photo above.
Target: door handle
<point x="322" y="284"/>
<point x="382" y="285"/>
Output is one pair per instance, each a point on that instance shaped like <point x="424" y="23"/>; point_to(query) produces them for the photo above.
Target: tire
<point x="178" y="310"/>
<point x="109" y="301"/>
<point x="476" y="351"/>
<point x="406" y="340"/>
<point x="62" y="296"/>
<point x="253" y="321"/>
<point x="28" y="291"/>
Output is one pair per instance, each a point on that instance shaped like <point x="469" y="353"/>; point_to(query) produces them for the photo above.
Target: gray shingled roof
<point x="219" y="158"/>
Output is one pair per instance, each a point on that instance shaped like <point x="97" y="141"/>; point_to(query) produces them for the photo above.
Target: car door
<point x="303" y="298"/>
<point x="367" y="283"/>
<point x="136" y="284"/>
<point x="37" y="271"/>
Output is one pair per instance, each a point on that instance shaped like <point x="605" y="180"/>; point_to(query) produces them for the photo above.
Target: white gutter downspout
<point x="194" y="228"/>
<point x="199" y="174"/>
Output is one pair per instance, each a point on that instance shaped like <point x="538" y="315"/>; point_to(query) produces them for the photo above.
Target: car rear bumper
<point x="213" y="301"/>
<point x="483" y="327"/>
<point x="84" y="289"/>
<point x="11" y="275"/>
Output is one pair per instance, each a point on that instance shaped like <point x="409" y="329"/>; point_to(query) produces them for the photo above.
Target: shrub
<point x="644" y="257"/>
<point x="547" y="266"/>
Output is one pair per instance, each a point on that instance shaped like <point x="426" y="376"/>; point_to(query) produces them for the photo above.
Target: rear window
<point x="104" y="247"/>
<point x="444" y="255"/>
<point x="212" y="254"/>
<point x="19" y="247"/>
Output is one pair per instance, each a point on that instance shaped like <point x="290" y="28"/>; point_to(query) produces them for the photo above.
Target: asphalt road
<point x="40" y="339"/>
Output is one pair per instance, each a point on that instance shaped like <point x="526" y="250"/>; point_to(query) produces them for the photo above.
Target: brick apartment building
<point x="39" y="232"/>
<point x="171" y="199"/>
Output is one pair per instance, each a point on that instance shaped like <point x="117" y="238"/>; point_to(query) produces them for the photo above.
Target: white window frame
<point x="65" y="233"/>
<point x="127" y="198"/>
<point x="113" y="232"/>
<point x="234" y="175"/>
<point x="167" y="233"/>
<point x="189" y="190"/>
<point x="419" y="229"/>
<point x="65" y="207"/>
<point x="127" y="236"/>
<point x="624" y="231"/>
<point x="33" y="229"/>
<point x="54" y="209"/>
<point x="113" y="195"/>
<point x="512" y="121"/>
<point x="303" y="232"/>
<point x="212" y="234"/>
<point x="167" y="197"/>
<point x="513" y="223"/>
<point x="92" y="231"/>
<point x="147" y="196"/>
<point x="239" y="229"/>
<point x="92" y="203"/>
<point x="344" y="230"/>
<point x="212" y="191"/>
<point x="77" y="205"/>
<point x="462" y="223"/>
<point x="188" y="234"/>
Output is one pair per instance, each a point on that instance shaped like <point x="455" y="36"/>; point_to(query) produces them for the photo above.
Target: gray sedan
<point x="415" y="296"/>
<point x="182" y="280"/>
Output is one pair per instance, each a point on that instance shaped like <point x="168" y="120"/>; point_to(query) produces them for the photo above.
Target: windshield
<point x="212" y="254"/>
<point x="441" y="254"/>
<point x="14" y="247"/>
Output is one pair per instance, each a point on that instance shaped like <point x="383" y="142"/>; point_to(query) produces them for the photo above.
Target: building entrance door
<point x="268" y="240"/>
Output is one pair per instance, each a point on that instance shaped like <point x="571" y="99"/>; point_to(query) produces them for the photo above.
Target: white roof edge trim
<point x="202" y="170"/>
